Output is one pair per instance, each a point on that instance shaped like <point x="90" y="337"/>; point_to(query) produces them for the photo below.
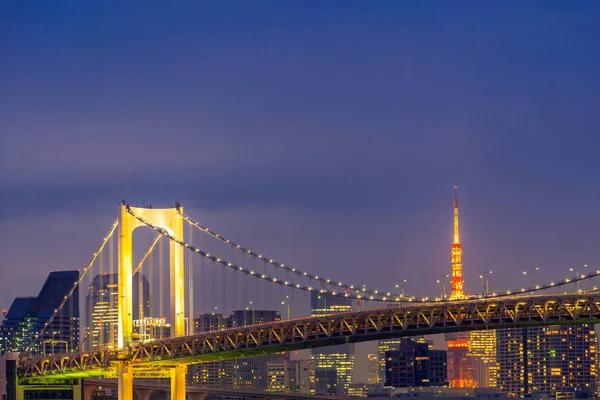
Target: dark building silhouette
<point x="28" y="315"/>
<point x="326" y="381"/>
<point x="414" y="365"/>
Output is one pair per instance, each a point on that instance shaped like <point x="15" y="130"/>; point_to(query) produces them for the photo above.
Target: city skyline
<point x="327" y="137"/>
<point x="370" y="164"/>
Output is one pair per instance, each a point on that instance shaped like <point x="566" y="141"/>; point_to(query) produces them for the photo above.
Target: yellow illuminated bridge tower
<point x="171" y="220"/>
<point x="457" y="280"/>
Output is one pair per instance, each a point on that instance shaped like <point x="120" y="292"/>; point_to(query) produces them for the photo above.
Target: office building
<point x="383" y="347"/>
<point x="338" y="358"/>
<point x="101" y="307"/>
<point x="326" y="381"/>
<point x="482" y="349"/>
<point x="28" y="315"/>
<point x="548" y="360"/>
<point x="209" y="322"/>
<point x="373" y="364"/>
<point x="289" y="376"/>
<point x="415" y="365"/>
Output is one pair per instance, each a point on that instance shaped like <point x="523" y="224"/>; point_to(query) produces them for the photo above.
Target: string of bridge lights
<point x="347" y="293"/>
<point x="218" y="260"/>
<point x="75" y="285"/>
<point x="270" y="261"/>
<point x="303" y="274"/>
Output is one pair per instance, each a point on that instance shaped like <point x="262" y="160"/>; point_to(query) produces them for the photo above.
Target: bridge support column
<point x="178" y="382"/>
<point x="143" y="394"/>
<point x="125" y="382"/>
<point x="198" y="396"/>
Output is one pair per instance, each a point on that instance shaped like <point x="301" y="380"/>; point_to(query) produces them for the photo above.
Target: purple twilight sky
<point x="328" y="134"/>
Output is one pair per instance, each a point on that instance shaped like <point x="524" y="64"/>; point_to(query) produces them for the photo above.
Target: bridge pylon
<point x="171" y="220"/>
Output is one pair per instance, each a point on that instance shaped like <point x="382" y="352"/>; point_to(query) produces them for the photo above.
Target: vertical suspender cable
<point x="191" y="282"/>
<point x="151" y="282"/>
<point x="235" y="281"/>
<point x="114" y="280"/>
<point x="101" y="289"/>
<point x="160" y="281"/>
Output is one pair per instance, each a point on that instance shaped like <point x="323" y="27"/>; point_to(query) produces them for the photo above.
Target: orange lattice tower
<point x="456" y="257"/>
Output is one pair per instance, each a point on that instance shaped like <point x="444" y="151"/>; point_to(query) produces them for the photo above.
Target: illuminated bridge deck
<point x="311" y="332"/>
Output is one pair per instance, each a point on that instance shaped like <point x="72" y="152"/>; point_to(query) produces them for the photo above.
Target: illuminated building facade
<point x="482" y="349"/>
<point x="373" y="363"/>
<point x="102" y="306"/>
<point x="415" y="365"/>
<point x="28" y="315"/>
<point x="548" y="360"/>
<point x="338" y="358"/>
<point x="289" y="376"/>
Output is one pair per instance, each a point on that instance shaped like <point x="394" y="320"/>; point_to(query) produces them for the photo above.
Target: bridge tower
<point x="171" y="220"/>
<point x="456" y="256"/>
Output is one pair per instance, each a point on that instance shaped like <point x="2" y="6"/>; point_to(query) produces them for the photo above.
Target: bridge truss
<point x="300" y="333"/>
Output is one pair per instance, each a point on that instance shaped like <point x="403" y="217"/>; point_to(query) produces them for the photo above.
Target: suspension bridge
<point x="124" y="354"/>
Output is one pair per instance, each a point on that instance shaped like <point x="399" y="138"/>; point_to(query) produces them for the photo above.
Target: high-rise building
<point x="28" y="315"/>
<point x="383" y="347"/>
<point x="289" y="376"/>
<point x="102" y="306"/>
<point x="338" y="358"/>
<point x="482" y="348"/>
<point x="373" y="361"/>
<point x="548" y="359"/>
<point x="415" y="365"/>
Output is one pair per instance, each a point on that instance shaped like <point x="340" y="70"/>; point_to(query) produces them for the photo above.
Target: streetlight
<point x="530" y="272"/>
<point x="401" y="287"/>
<point x="442" y="282"/>
<point x="485" y="277"/>
<point x="288" y="305"/>
<point x="577" y="276"/>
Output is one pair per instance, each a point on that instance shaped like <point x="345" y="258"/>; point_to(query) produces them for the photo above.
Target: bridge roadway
<point x="144" y="389"/>
<point x="310" y="332"/>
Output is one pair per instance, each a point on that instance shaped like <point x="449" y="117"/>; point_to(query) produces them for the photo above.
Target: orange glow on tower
<point x="456" y="256"/>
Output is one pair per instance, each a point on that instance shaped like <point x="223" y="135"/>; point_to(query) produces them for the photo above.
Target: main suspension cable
<point x="347" y="293"/>
<point x="273" y="263"/>
<point x="269" y="261"/>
